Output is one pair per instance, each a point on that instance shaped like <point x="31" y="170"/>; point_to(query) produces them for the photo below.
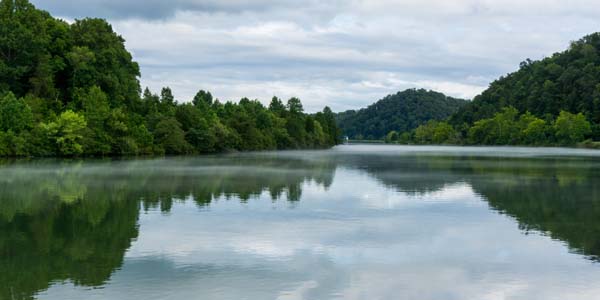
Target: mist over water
<point x="354" y="222"/>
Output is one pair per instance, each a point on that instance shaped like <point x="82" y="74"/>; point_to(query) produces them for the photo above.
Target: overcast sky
<point x="345" y="54"/>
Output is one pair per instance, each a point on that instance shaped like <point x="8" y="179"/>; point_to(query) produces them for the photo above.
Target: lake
<point x="354" y="222"/>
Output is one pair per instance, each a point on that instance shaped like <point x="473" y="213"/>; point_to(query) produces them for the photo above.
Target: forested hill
<point x="73" y="89"/>
<point x="401" y="112"/>
<point x="568" y="81"/>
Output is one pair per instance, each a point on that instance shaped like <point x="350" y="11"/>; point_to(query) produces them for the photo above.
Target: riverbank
<point x="582" y="145"/>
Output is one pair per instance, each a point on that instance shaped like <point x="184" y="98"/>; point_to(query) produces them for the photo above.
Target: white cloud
<point x="346" y="54"/>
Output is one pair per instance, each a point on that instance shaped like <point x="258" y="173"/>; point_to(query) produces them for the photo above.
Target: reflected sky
<point x="360" y="225"/>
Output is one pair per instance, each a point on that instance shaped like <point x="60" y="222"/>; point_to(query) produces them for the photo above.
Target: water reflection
<point x="555" y="196"/>
<point x="75" y="220"/>
<point x="298" y="225"/>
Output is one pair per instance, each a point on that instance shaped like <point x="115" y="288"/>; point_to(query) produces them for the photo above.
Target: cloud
<point x="153" y="9"/>
<point x="345" y="54"/>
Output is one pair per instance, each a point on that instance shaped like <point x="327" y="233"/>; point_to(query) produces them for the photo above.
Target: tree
<point x="166" y="97"/>
<point x="112" y="67"/>
<point x="81" y="60"/>
<point x="118" y="128"/>
<point x="189" y="116"/>
<point x="96" y="111"/>
<point x="67" y="133"/>
<point x="203" y="99"/>
<point x="12" y="144"/>
<point x="502" y="129"/>
<point x="329" y="124"/>
<point x="24" y="43"/>
<point x="277" y="106"/>
<point x="392" y="137"/>
<point x="167" y="102"/>
<point x="319" y="137"/>
<point x="15" y="114"/>
<point x="143" y="139"/>
<point x="534" y="131"/>
<point x="294" y="106"/>
<point x="571" y="128"/>
<point x="170" y="137"/>
<point x="434" y="132"/>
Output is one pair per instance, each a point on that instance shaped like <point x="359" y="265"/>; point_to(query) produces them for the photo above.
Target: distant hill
<point x="568" y="80"/>
<point x="403" y="111"/>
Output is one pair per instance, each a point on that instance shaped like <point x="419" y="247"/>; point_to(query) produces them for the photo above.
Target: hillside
<point x="568" y="81"/>
<point x="403" y="111"/>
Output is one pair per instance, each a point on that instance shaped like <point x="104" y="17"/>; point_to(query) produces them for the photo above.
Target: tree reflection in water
<point x="74" y="220"/>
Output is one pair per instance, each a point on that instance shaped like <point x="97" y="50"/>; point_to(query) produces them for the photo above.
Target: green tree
<point x="24" y="43"/>
<point x="502" y="129"/>
<point x="12" y="144"/>
<point x="118" y="128"/>
<point x="534" y="131"/>
<point x="170" y="137"/>
<point x="96" y="111"/>
<point x="329" y="124"/>
<point x="571" y="128"/>
<point x="67" y="132"/>
<point x="143" y="139"/>
<point x="434" y="132"/>
<point x="276" y="106"/>
<point x="15" y="114"/>
<point x="392" y="137"/>
<point x="295" y="123"/>
<point x="112" y="67"/>
<point x="167" y="102"/>
<point x="203" y="99"/>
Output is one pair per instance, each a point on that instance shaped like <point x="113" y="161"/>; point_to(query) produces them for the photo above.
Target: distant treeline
<point x="504" y="128"/>
<point x="555" y="101"/>
<point x="73" y="89"/>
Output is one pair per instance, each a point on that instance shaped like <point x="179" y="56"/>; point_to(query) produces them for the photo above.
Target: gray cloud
<point x="345" y="54"/>
<point x="160" y="9"/>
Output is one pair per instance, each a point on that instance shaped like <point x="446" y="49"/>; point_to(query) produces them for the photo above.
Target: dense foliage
<point x="73" y="89"/>
<point x="507" y="127"/>
<point x="401" y="112"/>
<point x="567" y="81"/>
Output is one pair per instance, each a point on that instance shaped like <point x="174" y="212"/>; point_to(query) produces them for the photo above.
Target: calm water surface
<point x="355" y="222"/>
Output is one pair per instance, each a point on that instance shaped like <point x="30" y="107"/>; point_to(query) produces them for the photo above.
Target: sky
<point x="343" y="54"/>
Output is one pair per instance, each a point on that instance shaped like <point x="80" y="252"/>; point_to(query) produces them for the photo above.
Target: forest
<point x="403" y="111"/>
<point x="554" y="101"/>
<point x="566" y="81"/>
<point x="72" y="89"/>
<point x="507" y="127"/>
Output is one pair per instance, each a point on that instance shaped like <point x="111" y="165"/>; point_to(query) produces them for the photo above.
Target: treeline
<point x="507" y="127"/>
<point x="159" y="125"/>
<point x="73" y="89"/>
